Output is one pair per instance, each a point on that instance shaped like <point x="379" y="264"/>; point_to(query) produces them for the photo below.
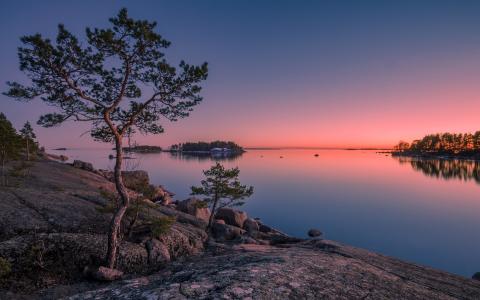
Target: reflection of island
<point x="217" y="150"/>
<point x="444" y="168"/>
<point x="143" y="149"/>
<point x="205" y="156"/>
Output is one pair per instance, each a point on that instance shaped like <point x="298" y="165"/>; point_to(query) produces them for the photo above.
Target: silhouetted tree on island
<point x="28" y="137"/>
<point x="10" y="145"/>
<point x="448" y="143"/>
<point x="118" y="80"/>
<point x="222" y="188"/>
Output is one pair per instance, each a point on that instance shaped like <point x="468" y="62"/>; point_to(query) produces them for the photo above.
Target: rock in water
<point x="314" y="233"/>
<point x="232" y="217"/>
<point x="195" y="207"/>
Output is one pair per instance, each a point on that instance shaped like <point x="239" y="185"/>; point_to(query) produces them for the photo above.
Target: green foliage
<point x="222" y="188"/>
<point x="112" y="202"/>
<point x="5" y="268"/>
<point x="27" y="131"/>
<point x="10" y="144"/>
<point x="9" y="139"/>
<point x="36" y="254"/>
<point x="447" y="143"/>
<point x="161" y="225"/>
<point x="201" y="204"/>
<point x="28" y="137"/>
<point x="147" y="190"/>
<point x="21" y="169"/>
<point x="89" y="80"/>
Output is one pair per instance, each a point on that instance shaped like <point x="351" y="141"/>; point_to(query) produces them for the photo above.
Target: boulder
<point x="157" y="252"/>
<point x="313" y="233"/>
<point x="162" y="196"/>
<point x="106" y="274"/>
<point x="250" y="225"/>
<point x="83" y="165"/>
<point x="232" y="217"/>
<point x="224" y="232"/>
<point x="476" y="276"/>
<point x="195" y="207"/>
<point x="264" y="228"/>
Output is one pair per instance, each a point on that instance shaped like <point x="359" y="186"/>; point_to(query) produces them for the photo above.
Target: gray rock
<point x="225" y="232"/>
<point x="83" y="165"/>
<point x="264" y="228"/>
<point x="231" y="216"/>
<point x="251" y="226"/>
<point x="163" y="196"/>
<point x="157" y="252"/>
<point x="305" y="271"/>
<point x="194" y="207"/>
<point x="106" y="274"/>
<point x="314" y="233"/>
<point x="55" y="211"/>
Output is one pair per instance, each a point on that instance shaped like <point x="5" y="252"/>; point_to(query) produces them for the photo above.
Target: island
<point x="206" y="150"/>
<point x="442" y="145"/>
<point x="143" y="149"/>
<point x="207" y="147"/>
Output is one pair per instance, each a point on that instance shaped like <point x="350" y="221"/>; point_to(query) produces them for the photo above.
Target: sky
<point x="286" y="73"/>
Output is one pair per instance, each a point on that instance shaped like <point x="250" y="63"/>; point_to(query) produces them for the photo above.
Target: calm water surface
<point x="426" y="212"/>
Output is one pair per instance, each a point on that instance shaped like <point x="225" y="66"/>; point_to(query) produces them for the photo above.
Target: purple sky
<point x="288" y="73"/>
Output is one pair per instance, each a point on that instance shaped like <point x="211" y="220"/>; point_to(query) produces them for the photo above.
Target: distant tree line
<point x="206" y="146"/>
<point x="448" y="143"/>
<point x="13" y="144"/>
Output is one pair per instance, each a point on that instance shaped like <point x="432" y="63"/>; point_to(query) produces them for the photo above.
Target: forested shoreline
<point x="447" y="144"/>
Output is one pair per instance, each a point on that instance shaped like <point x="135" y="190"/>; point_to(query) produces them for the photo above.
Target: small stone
<point x="314" y="233"/>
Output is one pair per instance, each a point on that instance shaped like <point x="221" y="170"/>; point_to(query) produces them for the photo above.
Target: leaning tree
<point x="119" y="81"/>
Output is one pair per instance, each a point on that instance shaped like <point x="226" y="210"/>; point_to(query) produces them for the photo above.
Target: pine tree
<point x="221" y="188"/>
<point x="28" y="136"/>
<point x="9" y="144"/>
<point x="118" y="80"/>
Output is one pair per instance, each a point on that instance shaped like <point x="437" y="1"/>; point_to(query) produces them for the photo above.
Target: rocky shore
<point x="53" y="225"/>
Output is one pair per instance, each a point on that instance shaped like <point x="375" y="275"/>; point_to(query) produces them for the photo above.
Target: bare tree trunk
<point x="3" y="172"/>
<point x="125" y="201"/>
<point x="28" y="151"/>
<point x="212" y="215"/>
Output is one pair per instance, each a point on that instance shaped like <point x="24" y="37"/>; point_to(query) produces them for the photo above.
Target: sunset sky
<point x="288" y="73"/>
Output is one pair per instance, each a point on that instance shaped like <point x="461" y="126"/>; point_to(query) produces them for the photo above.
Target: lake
<point x="422" y="211"/>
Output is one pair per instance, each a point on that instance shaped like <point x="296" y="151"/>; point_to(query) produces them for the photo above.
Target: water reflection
<point x="199" y="156"/>
<point x="445" y="168"/>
